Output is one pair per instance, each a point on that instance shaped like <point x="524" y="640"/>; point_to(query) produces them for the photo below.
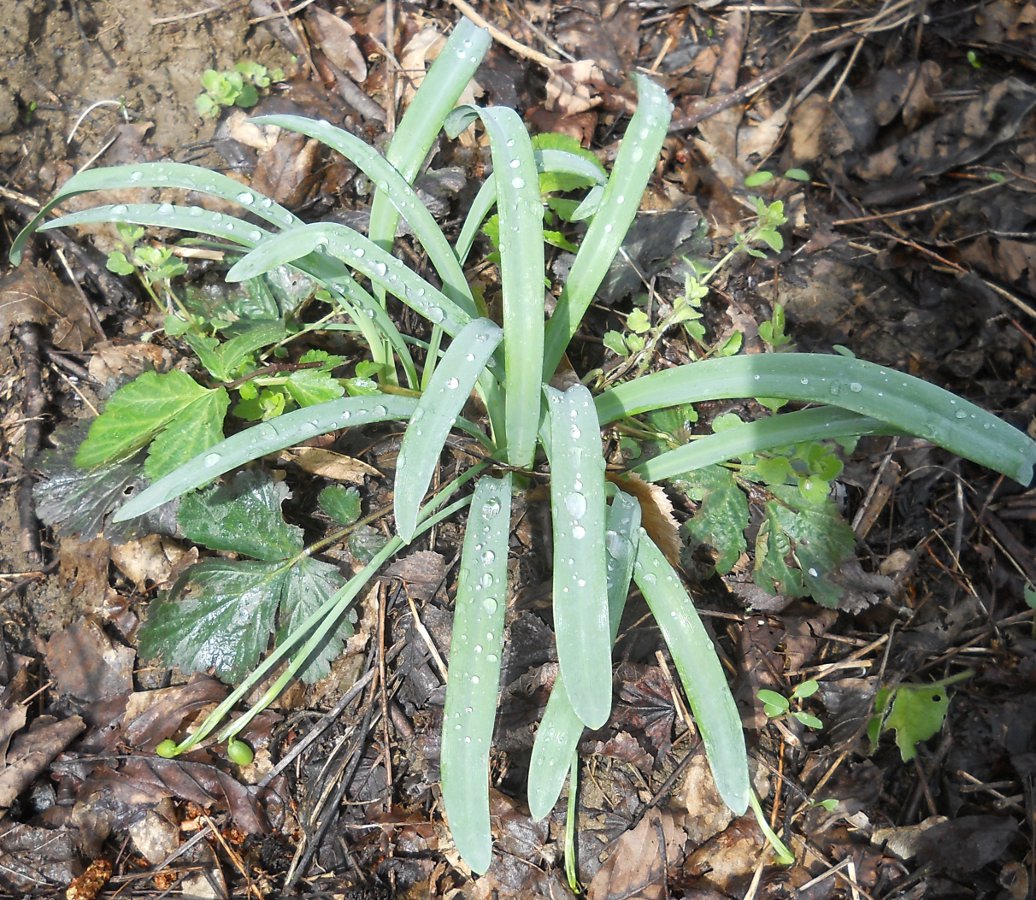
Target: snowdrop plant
<point x="599" y="546"/>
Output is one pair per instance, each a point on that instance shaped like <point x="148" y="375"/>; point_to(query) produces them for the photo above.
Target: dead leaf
<point x="239" y="127"/>
<point x="656" y="513"/>
<point x="151" y="716"/>
<point x="34" y="294"/>
<point x="86" y="663"/>
<point x="607" y="33"/>
<point x="638" y="860"/>
<point x="729" y="859"/>
<point x="83" y="569"/>
<point x="12" y="721"/>
<point x="32" y="751"/>
<point x="645" y="705"/>
<point x="123" y="362"/>
<point x="33" y="857"/>
<point x="423" y="572"/>
<point x="285" y="173"/>
<point x="984" y="837"/>
<point x="333" y="36"/>
<point x="903" y="840"/>
<point x="328" y="464"/>
<point x="150" y="561"/>
<point x="570" y="88"/>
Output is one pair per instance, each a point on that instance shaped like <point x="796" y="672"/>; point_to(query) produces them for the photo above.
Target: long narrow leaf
<point x="474" y="676"/>
<point x="701" y="674"/>
<point x="438" y="94"/>
<point x="152" y="175"/>
<point x="167" y="215"/>
<point x="557" y="737"/>
<point x="908" y="404"/>
<point x="633" y="167"/>
<point x="358" y="253"/>
<point x="447" y="392"/>
<point x="580" y="577"/>
<point x="269" y="437"/>
<point x="762" y="434"/>
<point x="398" y="191"/>
<point x="521" y="271"/>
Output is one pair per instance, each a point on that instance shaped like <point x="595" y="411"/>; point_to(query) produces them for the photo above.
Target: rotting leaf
<point x="243" y="516"/>
<point x="636" y="866"/>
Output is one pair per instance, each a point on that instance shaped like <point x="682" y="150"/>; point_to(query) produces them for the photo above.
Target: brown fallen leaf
<point x="334" y="37"/>
<point x="656" y="513"/>
<point x="606" y="32"/>
<point x="329" y="464"/>
<point x="152" y="716"/>
<point x="728" y="860"/>
<point x="86" y="663"/>
<point x="32" y="751"/>
<point x="32" y="857"/>
<point x="12" y="720"/>
<point x="34" y="294"/>
<point x="149" y="561"/>
<point x="285" y="173"/>
<point x="423" y="572"/>
<point x="119" y="361"/>
<point x="636" y="866"/>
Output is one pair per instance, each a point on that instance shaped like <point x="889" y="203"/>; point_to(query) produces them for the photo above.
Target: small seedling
<point x="777" y="706"/>
<point x="239" y="86"/>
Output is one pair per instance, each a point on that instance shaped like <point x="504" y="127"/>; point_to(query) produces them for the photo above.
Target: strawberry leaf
<point x="721" y="519"/>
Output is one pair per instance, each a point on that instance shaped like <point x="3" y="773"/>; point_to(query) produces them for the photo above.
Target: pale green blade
<point x="269" y="437"/>
<point x="557" y="737"/>
<point x="151" y="175"/>
<point x="909" y="405"/>
<point x="701" y="674"/>
<point x="438" y="94"/>
<point x="474" y="676"/>
<point x="167" y="215"/>
<point x="825" y="422"/>
<point x="521" y="271"/>
<point x="399" y="193"/>
<point x="580" y="577"/>
<point x="634" y="164"/>
<point x="358" y="253"/>
<point x="448" y="390"/>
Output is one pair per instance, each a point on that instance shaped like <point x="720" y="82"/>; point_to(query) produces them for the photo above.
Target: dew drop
<point x="756" y="377"/>
<point x="478" y="648"/>
<point x="246" y="197"/>
<point x="486" y="580"/>
<point x="488" y="557"/>
<point x="813" y="572"/>
<point x="803" y="381"/>
<point x="452" y="384"/>
<point x="474" y="680"/>
<point x="118" y="210"/>
<point x="855" y="387"/>
<point x="578" y="532"/>
<point x="489" y="605"/>
<point x="255" y="235"/>
<point x="136" y="175"/>
<point x="212" y="459"/>
<point x="960" y="414"/>
<point x="649" y="578"/>
<point x="491" y="509"/>
<point x="380" y="269"/>
<point x="435" y="314"/>
<point x="575" y="433"/>
<point x="491" y="657"/>
<point x="608" y="228"/>
<point x="358" y="252"/>
<point x="514" y="163"/>
<point x="620" y="199"/>
<point x="517" y="183"/>
<point x="575" y="503"/>
<point x="638" y="154"/>
<point x="195" y="211"/>
<point x="266" y="203"/>
<point x="379" y="410"/>
<point x="614" y="543"/>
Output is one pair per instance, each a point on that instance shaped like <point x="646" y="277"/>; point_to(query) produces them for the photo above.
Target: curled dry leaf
<point x="35" y="295"/>
<point x="328" y="464"/>
<point x="124" y="362"/>
<point x="32" y="751"/>
<point x="636" y="866"/>
<point x="334" y="37"/>
<point x="656" y="510"/>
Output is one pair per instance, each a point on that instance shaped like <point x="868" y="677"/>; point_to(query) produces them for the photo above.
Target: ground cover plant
<point x="221" y="613"/>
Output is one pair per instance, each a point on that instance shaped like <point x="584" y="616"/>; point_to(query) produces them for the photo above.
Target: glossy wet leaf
<point x="243" y="516"/>
<point x="580" y="571"/>
<point x="721" y="519"/>
<point x="557" y="737"/>
<point x="340" y="503"/>
<point x="307" y="588"/>
<point x="474" y="675"/>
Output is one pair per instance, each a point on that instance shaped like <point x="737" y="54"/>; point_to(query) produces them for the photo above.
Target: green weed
<point x="221" y="613"/>
<point x="239" y="86"/>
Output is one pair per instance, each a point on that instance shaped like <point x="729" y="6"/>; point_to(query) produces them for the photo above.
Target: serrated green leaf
<point x="309" y="387"/>
<point x="615" y="342"/>
<point x="721" y="519"/>
<point x="773" y="565"/>
<point x="135" y="413"/>
<point x="340" y="503"/>
<point x="307" y="587"/>
<point x="218" y="615"/>
<point x="242" y="517"/>
<point x="198" y="427"/>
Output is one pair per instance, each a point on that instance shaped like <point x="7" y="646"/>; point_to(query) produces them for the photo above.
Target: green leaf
<point x="557" y="737"/>
<point x="474" y="676"/>
<point x="816" y="536"/>
<point x="614" y="341"/>
<point x="340" y="503"/>
<point x="308" y="387"/>
<point x="242" y="517"/>
<point x="808" y="719"/>
<point x="757" y="179"/>
<point x="638" y="322"/>
<point x="136" y="412"/>
<point x="193" y="431"/>
<point x="118" y="263"/>
<point x="917" y="713"/>
<point x="797" y="175"/>
<point x="218" y="615"/>
<point x="440" y="405"/>
<point x="701" y="674"/>
<point x="307" y="587"/>
<point x="577" y="511"/>
<point x="905" y="403"/>
<point x="807" y="689"/>
<point x="722" y="518"/>
<point x="774" y="704"/>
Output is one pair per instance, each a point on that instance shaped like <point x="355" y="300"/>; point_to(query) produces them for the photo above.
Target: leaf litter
<point x="895" y="256"/>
